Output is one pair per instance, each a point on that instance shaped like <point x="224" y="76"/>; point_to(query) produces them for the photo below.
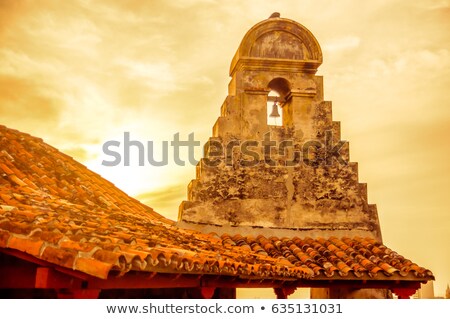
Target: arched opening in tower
<point x="280" y="90"/>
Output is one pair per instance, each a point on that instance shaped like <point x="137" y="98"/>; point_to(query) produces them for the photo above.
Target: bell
<point x="274" y="110"/>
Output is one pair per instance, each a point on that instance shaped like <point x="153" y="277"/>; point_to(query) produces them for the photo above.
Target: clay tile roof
<point x="55" y="209"/>
<point x="334" y="257"/>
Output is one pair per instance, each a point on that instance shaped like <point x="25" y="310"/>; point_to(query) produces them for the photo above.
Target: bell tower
<point x="279" y="55"/>
<point x="293" y="179"/>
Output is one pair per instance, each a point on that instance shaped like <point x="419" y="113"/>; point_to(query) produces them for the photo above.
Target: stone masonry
<point x="294" y="179"/>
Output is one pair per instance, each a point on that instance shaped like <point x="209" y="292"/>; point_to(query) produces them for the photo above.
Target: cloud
<point x="341" y="44"/>
<point x="23" y="100"/>
<point x="78" y="153"/>
<point x="10" y="12"/>
<point x="412" y="63"/>
<point x="164" y="199"/>
<point x="434" y="5"/>
<point x="183" y="4"/>
<point x="21" y="63"/>
<point x="157" y="76"/>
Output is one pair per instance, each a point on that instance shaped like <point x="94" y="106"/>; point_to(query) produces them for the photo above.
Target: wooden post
<point x="404" y="293"/>
<point x="207" y="292"/>
<point x="284" y="292"/>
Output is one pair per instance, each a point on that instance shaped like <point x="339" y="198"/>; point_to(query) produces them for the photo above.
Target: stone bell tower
<point x="294" y="179"/>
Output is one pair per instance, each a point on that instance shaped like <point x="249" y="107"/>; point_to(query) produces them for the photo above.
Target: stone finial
<point x="274" y="15"/>
<point x="278" y="38"/>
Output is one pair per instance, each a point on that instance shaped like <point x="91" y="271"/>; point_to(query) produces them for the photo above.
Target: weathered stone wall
<point x="293" y="178"/>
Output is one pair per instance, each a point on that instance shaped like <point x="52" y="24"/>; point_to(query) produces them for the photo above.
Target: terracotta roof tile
<point x="30" y="246"/>
<point x="92" y="267"/>
<point x="359" y="256"/>
<point x="55" y="209"/>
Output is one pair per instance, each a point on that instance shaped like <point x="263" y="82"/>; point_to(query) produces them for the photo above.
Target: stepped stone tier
<point x="293" y="179"/>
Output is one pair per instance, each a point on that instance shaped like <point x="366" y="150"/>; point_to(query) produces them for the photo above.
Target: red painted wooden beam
<point x="48" y="278"/>
<point x="17" y="276"/>
<point x="78" y="294"/>
<point x="145" y="280"/>
<point x="404" y="293"/>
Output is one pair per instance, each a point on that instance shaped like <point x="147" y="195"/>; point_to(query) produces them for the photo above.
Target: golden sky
<point x="79" y="73"/>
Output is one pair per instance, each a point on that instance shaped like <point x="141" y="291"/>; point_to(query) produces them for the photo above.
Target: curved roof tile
<point x="55" y="209"/>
